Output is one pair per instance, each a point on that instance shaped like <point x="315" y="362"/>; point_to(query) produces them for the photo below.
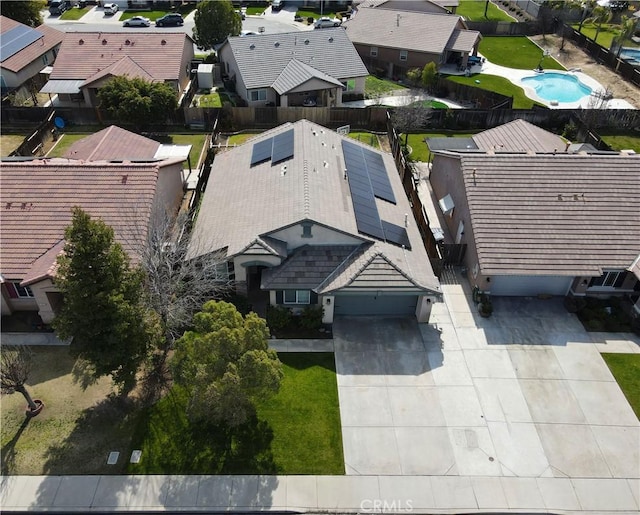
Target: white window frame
<point x="23" y="292"/>
<point x="299" y="297"/>
<point x="258" y="93"/>
<point x="609" y="279"/>
<point x="373" y="52"/>
<point x="404" y="54"/>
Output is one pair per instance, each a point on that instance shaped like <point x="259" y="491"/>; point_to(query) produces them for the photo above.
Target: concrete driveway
<point x="524" y="393"/>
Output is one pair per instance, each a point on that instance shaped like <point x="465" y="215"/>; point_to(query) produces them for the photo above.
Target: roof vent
<point x="163" y="42"/>
<point x="124" y="179"/>
<point x="331" y="39"/>
<point x="252" y="46"/>
<point x="276" y="44"/>
<point x="127" y="42"/>
<point x="81" y="42"/>
<point x="306" y="41"/>
<point x="104" y="41"/>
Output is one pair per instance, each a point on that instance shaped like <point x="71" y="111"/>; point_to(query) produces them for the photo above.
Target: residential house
<point x="424" y="6"/>
<point x="392" y="42"/>
<point x="542" y="222"/>
<point x="37" y="198"/>
<point x="87" y="60"/>
<point x="312" y="217"/>
<point x="25" y="52"/>
<point x="294" y="68"/>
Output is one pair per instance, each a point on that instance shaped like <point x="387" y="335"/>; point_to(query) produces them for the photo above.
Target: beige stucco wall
<point x="13" y="80"/>
<point x="423" y="308"/>
<point x="240" y="263"/>
<point x="327" y="302"/>
<point x="6" y="309"/>
<point x="319" y="236"/>
<point x="169" y="190"/>
<point x="185" y="68"/>
<point x="40" y="290"/>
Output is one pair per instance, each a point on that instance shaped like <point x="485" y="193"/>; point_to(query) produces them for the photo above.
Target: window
<point x="609" y="279"/>
<point x="19" y="292"/>
<point x="403" y="55"/>
<point x="306" y="230"/>
<point x="258" y="94"/>
<point x="297" y="297"/>
<point x="374" y="51"/>
<point x="349" y="85"/>
<point x="45" y="59"/>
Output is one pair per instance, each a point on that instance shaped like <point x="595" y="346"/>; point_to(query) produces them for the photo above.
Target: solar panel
<point x="396" y="234"/>
<point x="282" y="147"/>
<point x="16" y="39"/>
<point x="378" y="175"/>
<point x="261" y="151"/>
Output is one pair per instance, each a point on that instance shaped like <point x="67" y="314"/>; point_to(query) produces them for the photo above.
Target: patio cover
<point x="172" y="151"/>
<point x="62" y="86"/>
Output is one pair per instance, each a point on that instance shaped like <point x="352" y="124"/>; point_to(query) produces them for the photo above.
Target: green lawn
<point x="365" y="137"/>
<point x="419" y="149"/>
<point x="373" y="86"/>
<point x="297" y="431"/>
<point x="622" y="141"/>
<point x="497" y="85"/>
<point x="606" y="35"/>
<point x="434" y="104"/>
<point x="626" y="369"/>
<point x="473" y="10"/>
<point x="65" y="142"/>
<point x="75" y="13"/>
<point x="214" y="99"/>
<point x="516" y="52"/>
<point x="255" y="11"/>
<point x="304" y="13"/>
<point x="196" y="140"/>
<point x="239" y="139"/>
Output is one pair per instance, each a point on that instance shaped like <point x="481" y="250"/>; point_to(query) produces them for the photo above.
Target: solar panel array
<point x="368" y="179"/>
<point x="16" y="39"/>
<point x="277" y="149"/>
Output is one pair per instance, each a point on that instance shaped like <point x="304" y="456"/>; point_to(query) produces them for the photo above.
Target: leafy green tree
<point x="226" y="365"/>
<point x="413" y="75"/>
<point x="215" y="21"/>
<point x="627" y="28"/>
<point x="429" y="76"/>
<point x="599" y="17"/>
<point x="137" y="101"/>
<point x="27" y="12"/>
<point x="102" y="311"/>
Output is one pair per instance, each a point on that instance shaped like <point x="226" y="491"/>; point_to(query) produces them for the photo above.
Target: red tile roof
<point x="123" y="67"/>
<point x="113" y="143"/>
<point x="83" y="54"/>
<point x="51" y="38"/>
<point x="37" y="198"/>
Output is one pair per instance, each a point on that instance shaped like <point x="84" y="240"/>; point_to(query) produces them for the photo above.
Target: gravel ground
<point x="573" y="56"/>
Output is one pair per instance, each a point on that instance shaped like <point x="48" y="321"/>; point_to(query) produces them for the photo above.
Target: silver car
<point x="137" y="21"/>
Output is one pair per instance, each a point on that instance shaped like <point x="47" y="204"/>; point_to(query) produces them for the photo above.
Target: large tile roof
<point x="261" y="60"/>
<point x="37" y="197"/>
<point x="84" y="54"/>
<point x="113" y="143"/>
<point x="422" y="32"/>
<point x="519" y="136"/>
<point x="553" y="214"/>
<point x="242" y="202"/>
<point x="296" y="73"/>
<point x="50" y="38"/>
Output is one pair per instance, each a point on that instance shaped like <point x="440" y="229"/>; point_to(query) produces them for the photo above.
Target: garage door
<point x="527" y="285"/>
<point x="375" y="305"/>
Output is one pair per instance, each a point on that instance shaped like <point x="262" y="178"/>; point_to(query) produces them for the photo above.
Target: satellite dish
<point x="59" y="122"/>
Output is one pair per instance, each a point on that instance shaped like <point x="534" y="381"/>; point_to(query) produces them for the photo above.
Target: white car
<point x="110" y="9"/>
<point x="324" y="22"/>
<point x="137" y="21"/>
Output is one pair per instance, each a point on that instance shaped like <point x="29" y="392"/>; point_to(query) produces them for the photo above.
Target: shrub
<point x="240" y="302"/>
<point x="570" y="131"/>
<point x="278" y="317"/>
<point x="594" y="325"/>
<point x="310" y="20"/>
<point x="311" y="317"/>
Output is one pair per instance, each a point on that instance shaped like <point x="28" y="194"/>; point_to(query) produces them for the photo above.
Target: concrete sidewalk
<point x="363" y="494"/>
<point x="31" y="339"/>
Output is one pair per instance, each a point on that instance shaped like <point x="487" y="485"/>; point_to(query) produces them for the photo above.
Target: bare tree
<point x="409" y="118"/>
<point x="15" y="363"/>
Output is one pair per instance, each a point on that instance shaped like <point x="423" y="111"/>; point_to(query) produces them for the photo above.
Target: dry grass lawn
<point x="9" y="142"/>
<point x="55" y="442"/>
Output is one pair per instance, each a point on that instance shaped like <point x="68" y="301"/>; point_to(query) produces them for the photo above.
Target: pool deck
<point x="516" y="75"/>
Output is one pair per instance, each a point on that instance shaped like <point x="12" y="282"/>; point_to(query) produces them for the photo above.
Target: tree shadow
<point x="83" y="374"/>
<point x="8" y="458"/>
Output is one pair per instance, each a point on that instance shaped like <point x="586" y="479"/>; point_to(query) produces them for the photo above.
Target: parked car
<point x="137" y="21"/>
<point x="276" y="5"/>
<point x="57" y="7"/>
<point x="244" y="33"/>
<point x="110" y="9"/>
<point x="324" y="22"/>
<point x="170" y="19"/>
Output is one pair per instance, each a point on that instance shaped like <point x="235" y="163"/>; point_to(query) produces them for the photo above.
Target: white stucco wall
<point x="240" y="264"/>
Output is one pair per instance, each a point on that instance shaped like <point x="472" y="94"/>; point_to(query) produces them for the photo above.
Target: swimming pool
<point x="557" y="86"/>
<point x="632" y="55"/>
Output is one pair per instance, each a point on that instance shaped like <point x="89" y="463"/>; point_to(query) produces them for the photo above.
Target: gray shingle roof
<point x="297" y="73"/>
<point x="243" y="202"/>
<point x="563" y="214"/>
<point x="462" y="40"/>
<point x="263" y="58"/>
<point x="422" y="32"/>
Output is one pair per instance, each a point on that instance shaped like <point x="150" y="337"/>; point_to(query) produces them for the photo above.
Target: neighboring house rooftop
<point x="21" y="45"/>
<point x="240" y="209"/>
<point x="113" y="143"/>
<point x="437" y="5"/>
<point x="37" y="198"/>
<point x="546" y="214"/>
<point x="84" y="54"/>
<point x="421" y="32"/>
<point x="287" y="59"/>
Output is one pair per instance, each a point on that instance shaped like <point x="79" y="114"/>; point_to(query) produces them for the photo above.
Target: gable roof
<point x="37" y="197"/>
<point x="546" y="214"/>
<point x="84" y="54"/>
<point x="296" y="73"/>
<point x="113" y="143"/>
<point x="518" y="136"/>
<point x="410" y="5"/>
<point x="262" y="60"/>
<point x="310" y="186"/>
<point x="421" y="32"/>
<point x="26" y="54"/>
<point x="125" y="67"/>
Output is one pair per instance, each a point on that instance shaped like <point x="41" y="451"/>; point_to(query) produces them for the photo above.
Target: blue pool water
<point x="557" y="86"/>
<point x="631" y="54"/>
